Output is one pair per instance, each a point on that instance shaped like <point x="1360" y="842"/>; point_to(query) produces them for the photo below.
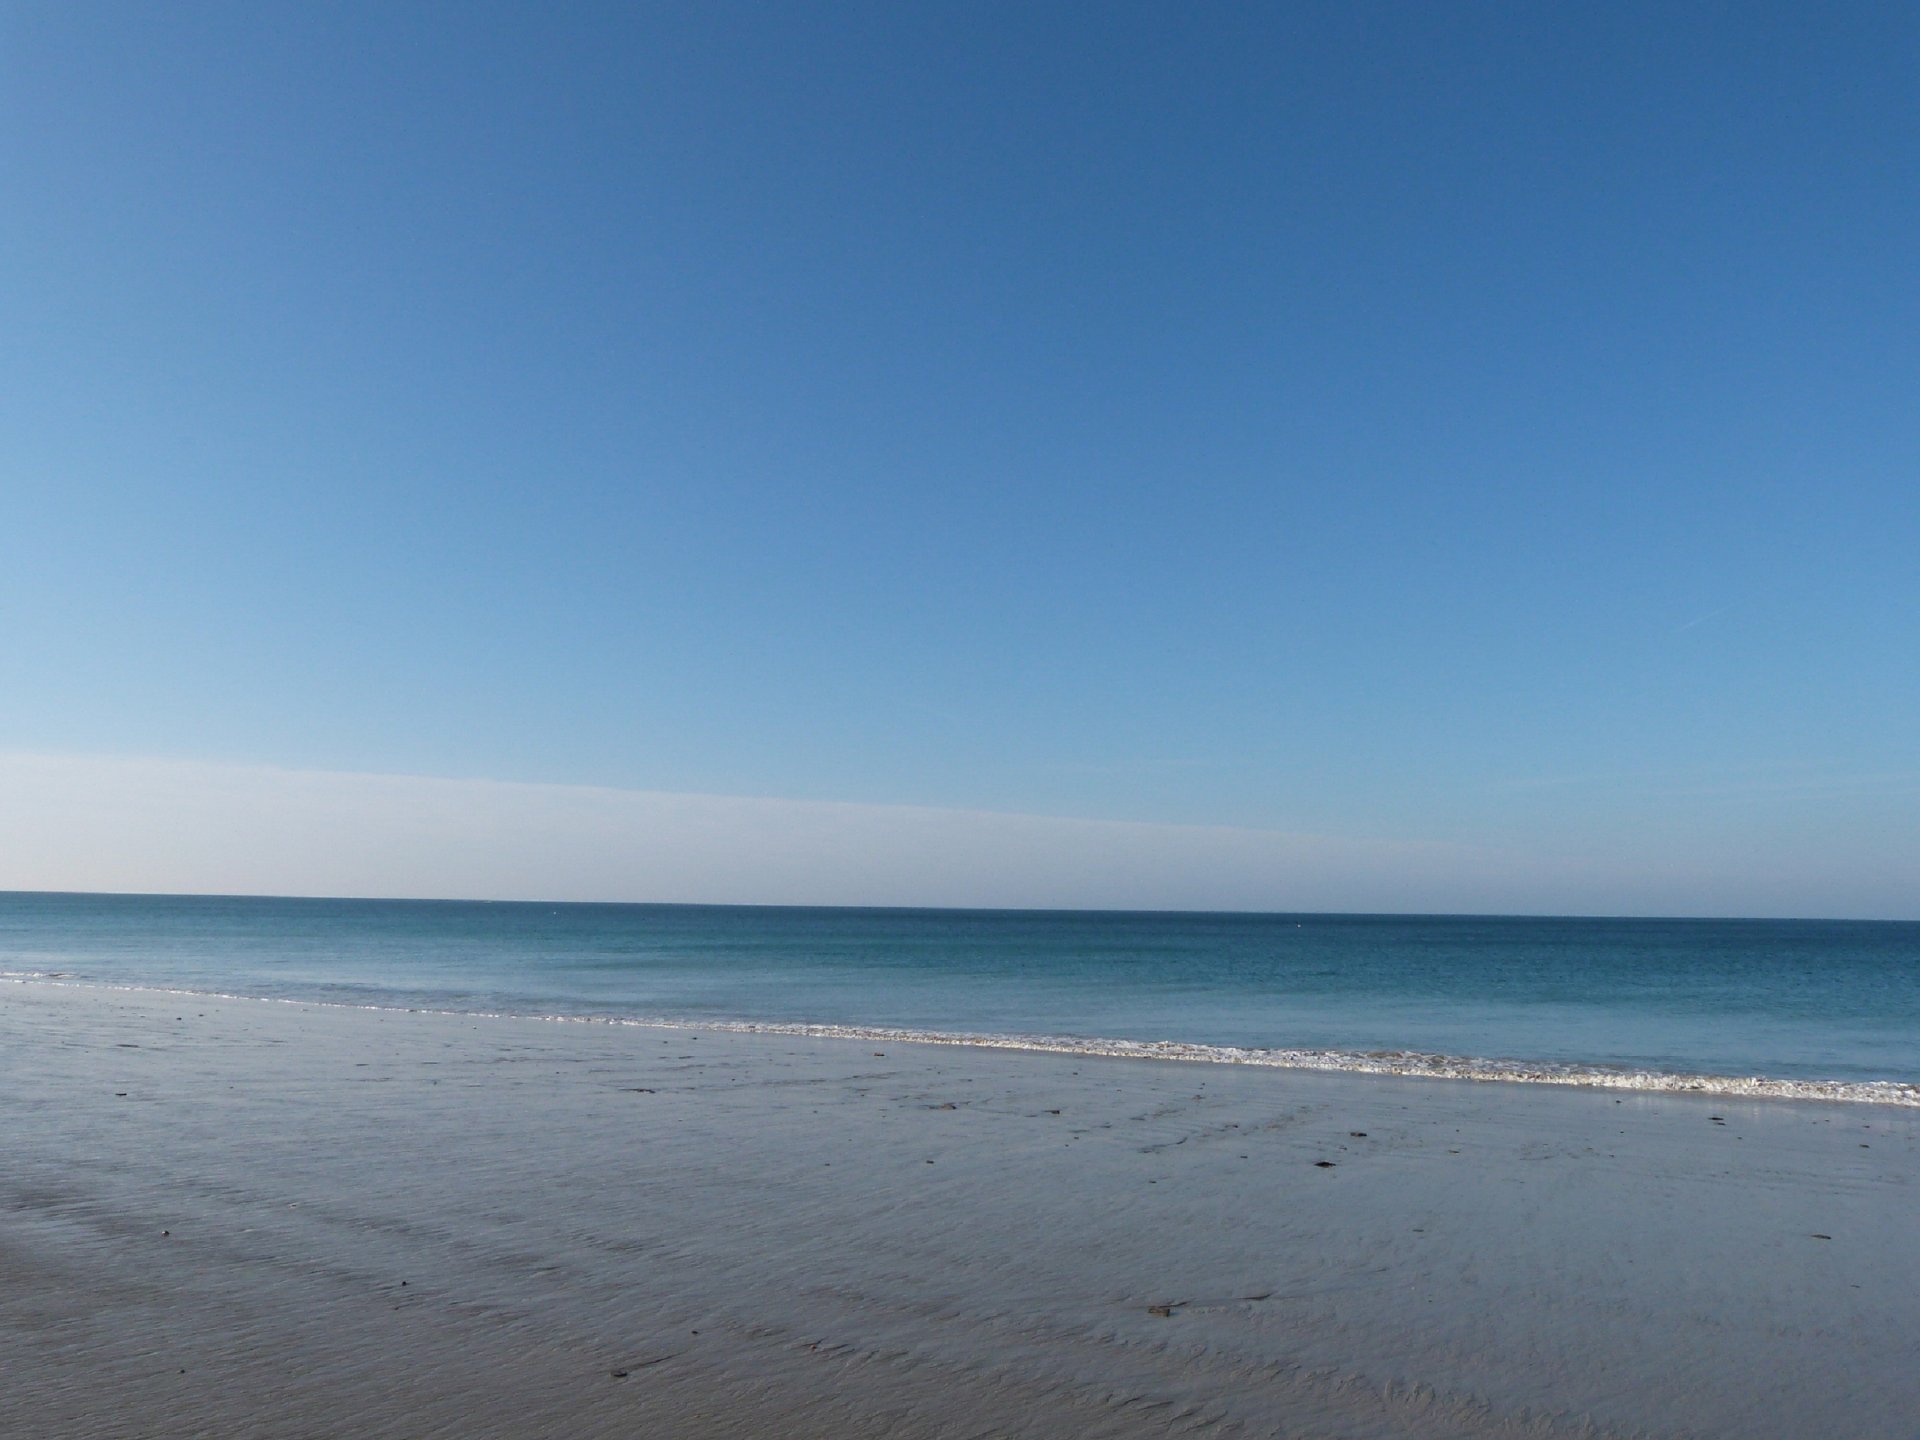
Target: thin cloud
<point x="1703" y="619"/>
<point x="156" y="825"/>
<point x="114" y="823"/>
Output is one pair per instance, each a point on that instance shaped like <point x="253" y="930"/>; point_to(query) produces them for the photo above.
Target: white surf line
<point x="1403" y="1064"/>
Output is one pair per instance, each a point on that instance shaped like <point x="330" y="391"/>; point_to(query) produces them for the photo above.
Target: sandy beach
<point x="252" y="1218"/>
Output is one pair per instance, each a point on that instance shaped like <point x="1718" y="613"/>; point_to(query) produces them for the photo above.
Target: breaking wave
<point x="1405" y="1064"/>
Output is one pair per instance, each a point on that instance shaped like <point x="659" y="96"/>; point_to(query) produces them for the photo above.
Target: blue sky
<point x="1481" y="425"/>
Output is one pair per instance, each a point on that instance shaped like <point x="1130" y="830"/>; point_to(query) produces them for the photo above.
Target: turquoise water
<point x="1816" y="1000"/>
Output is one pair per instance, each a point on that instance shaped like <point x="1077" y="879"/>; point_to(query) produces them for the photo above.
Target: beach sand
<point x="252" y="1218"/>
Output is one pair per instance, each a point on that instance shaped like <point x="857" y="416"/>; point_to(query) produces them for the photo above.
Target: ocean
<point x="1826" y="1008"/>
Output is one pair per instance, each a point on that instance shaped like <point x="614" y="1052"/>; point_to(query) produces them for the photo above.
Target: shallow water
<point x="266" y="1219"/>
<point x="1800" y="1001"/>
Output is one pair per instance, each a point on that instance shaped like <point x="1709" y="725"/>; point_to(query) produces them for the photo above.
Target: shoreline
<point x="248" y="1219"/>
<point x="1400" y="1064"/>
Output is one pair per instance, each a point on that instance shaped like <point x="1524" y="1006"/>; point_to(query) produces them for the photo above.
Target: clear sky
<point x="1491" y="429"/>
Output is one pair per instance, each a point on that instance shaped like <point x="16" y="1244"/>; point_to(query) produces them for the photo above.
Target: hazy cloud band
<point x="111" y="823"/>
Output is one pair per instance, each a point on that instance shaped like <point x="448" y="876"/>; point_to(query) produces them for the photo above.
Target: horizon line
<point x="1142" y="911"/>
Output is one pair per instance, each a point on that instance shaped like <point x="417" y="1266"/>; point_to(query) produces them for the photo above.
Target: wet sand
<point x="243" y="1218"/>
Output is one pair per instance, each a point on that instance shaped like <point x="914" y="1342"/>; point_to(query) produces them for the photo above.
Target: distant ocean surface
<point x="1807" y="1007"/>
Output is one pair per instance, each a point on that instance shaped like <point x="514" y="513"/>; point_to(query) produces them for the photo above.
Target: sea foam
<point x="1404" y="1064"/>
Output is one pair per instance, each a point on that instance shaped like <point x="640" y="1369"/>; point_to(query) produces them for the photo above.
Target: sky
<point x="1387" y="457"/>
